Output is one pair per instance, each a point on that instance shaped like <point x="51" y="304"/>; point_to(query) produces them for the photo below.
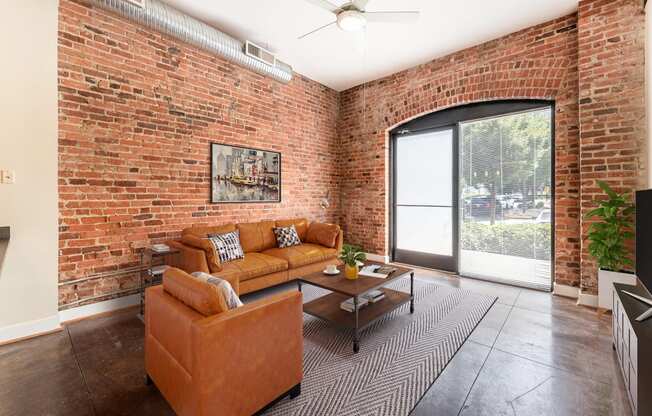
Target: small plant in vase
<point x="353" y="257"/>
<point x="608" y="241"/>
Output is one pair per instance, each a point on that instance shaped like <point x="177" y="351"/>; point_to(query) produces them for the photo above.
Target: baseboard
<point x="98" y="308"/>
<point x="17" y="332"/>
<point x="566" y="291"/>
<point x="377" y="257"/>
<point x="585" y="299"/>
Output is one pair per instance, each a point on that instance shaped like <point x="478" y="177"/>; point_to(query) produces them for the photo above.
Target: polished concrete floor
<point x="533" y="354"/>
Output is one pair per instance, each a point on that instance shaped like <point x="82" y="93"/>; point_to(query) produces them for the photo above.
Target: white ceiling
<point x="342" y="60"/>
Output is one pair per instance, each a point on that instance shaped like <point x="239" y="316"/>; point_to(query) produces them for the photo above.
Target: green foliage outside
<point x="608" y="236"/>
<point x="507" y="155"/>
<point x="527" y="240"/>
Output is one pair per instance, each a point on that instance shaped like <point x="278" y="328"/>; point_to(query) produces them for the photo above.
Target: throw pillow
<point x="227" y="246"/>
<point x="286" y="236"/>
<point x="323" y="234"/>
<point x="300" y="224"/>
<point x="230" y="297"/>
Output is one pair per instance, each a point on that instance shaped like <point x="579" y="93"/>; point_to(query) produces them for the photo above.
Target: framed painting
<point x="244" y="174"/>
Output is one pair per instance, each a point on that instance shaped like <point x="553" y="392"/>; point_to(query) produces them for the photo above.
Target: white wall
<point x="28" y="146"/>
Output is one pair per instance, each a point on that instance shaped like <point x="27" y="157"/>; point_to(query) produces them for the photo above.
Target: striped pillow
<point x="227" y="245"/>
<point x="230" y="297"/>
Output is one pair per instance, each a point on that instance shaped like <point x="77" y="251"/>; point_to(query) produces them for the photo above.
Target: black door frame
<point x="453" y="117"/>
<point x="432" y="261"/>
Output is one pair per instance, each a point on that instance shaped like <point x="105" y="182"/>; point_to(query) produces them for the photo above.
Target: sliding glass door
<point x="425" y="217"/>
<point x="506" y="198"/>
<point x="473" y="192"/>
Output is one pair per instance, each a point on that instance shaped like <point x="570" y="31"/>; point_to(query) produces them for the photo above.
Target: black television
<point x="644" y="238"/>
<point x="644" y="248"/>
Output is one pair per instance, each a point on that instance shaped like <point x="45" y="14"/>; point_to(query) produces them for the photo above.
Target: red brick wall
<point x="137" y="111"/>
<point x="537" y="63"/>
<point x="611" y="40"/>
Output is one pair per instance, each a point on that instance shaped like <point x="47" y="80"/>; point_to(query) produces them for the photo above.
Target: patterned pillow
<point x="230" y="297"/>
<point x="227" y="245"/>
<point x="287" y="236"/>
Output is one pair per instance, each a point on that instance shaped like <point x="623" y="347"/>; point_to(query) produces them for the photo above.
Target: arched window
<point x="473" y="191"/>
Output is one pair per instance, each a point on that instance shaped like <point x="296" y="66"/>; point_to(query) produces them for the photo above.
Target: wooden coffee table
<point x="328" y="307"/>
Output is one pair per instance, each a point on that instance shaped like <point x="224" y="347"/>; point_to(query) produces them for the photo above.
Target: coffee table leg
<point x="299" y="284"/>
<point x="412" y="292"/>
<point x="356" y="336"/>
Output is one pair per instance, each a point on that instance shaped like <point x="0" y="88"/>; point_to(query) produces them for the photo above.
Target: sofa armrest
<point x="191" y="259"/>
<point x="247" y="357"/>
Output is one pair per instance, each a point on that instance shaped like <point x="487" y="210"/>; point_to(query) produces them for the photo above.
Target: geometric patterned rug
<point x="400" y="355"/>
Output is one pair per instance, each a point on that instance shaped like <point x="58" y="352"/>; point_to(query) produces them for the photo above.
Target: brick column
<point x="611" y="44"/>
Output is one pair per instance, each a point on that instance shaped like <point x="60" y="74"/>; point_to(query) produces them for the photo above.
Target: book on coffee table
<point x="374" y="296"/>
<point x="376" y="270"/>
<point x="347" y="305"/>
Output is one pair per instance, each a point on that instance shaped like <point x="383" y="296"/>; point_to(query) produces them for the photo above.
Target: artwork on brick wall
<point x="243" y="174"/>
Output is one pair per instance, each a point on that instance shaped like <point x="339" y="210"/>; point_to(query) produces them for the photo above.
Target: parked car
<point x="543" y="217"/>
<point x="505" y="201"/>
<point x="481" y="207"/>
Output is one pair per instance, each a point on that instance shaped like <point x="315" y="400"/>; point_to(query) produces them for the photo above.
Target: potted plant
<point x="608" y="237"/>
<point x="353" y="257"/>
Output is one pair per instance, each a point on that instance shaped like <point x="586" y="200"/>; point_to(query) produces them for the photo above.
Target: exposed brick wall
<point x="137" y="111"/>
<point x="611" y="39"/>
<point x="536" y="63"/>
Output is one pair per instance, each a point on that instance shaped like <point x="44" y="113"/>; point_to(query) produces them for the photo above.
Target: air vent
<point x="260" y="53"/>
<point x="137" y="3"/>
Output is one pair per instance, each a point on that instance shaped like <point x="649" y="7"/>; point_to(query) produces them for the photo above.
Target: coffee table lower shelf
<point x="328" y="308"/>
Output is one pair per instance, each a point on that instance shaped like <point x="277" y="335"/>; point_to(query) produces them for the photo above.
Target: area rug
<point x="400" y="356"/>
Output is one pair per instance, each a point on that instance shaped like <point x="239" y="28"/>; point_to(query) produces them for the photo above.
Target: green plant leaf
<point x="607" y="189"/>
<point x="608" y="236"/>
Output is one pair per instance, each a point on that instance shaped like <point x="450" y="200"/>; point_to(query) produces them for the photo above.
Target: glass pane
<point x="424" y="169"/>
<point x="425" y="229"/>
<point x="505" y="198"/>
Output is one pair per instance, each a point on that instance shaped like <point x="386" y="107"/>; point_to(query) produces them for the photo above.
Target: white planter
<point x="606" y="280"/>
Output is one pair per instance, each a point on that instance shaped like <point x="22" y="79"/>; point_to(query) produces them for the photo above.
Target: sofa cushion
<point x="301" y="225"/>
<point x="251" y="266"/>
<point x="205" y="298"/>
<point x="323" y="234"/>
<point x="257" y="236"/>
<point x="202" y="243"/>
<point x="303" y="254"/>
<point x="202" y="231"/>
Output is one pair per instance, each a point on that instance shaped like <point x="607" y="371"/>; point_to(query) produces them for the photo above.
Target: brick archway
<point x="537" y="63"/>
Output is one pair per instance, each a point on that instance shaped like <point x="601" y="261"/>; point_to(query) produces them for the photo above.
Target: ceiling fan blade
<point x="360" y="4"/>
<point x="391" y="17"/>
<point x="316" y="30"/>
<point x="326" y="5"/>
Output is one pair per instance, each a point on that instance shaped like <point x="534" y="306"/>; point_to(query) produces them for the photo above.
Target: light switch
<point x="8" y="177"/>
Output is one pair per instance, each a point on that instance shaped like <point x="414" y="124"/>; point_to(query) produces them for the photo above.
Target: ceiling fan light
<point x="351" y="21"/>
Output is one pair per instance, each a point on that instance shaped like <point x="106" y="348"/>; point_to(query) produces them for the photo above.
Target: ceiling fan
<point x="353" y="17"/>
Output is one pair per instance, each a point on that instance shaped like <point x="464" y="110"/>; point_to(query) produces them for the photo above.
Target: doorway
<point x="426" y="199"/>
<point x="472" y="192"/>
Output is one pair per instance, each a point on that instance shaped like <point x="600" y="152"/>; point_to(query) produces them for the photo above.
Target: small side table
<point x="153" y="264"/>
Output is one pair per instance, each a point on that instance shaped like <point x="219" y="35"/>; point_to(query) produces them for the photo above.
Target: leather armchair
<point x="233" y="363"/>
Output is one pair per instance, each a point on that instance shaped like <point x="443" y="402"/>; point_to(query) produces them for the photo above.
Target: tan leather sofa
<point x="208" y="360"/>
<point x="264" y="264"/>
